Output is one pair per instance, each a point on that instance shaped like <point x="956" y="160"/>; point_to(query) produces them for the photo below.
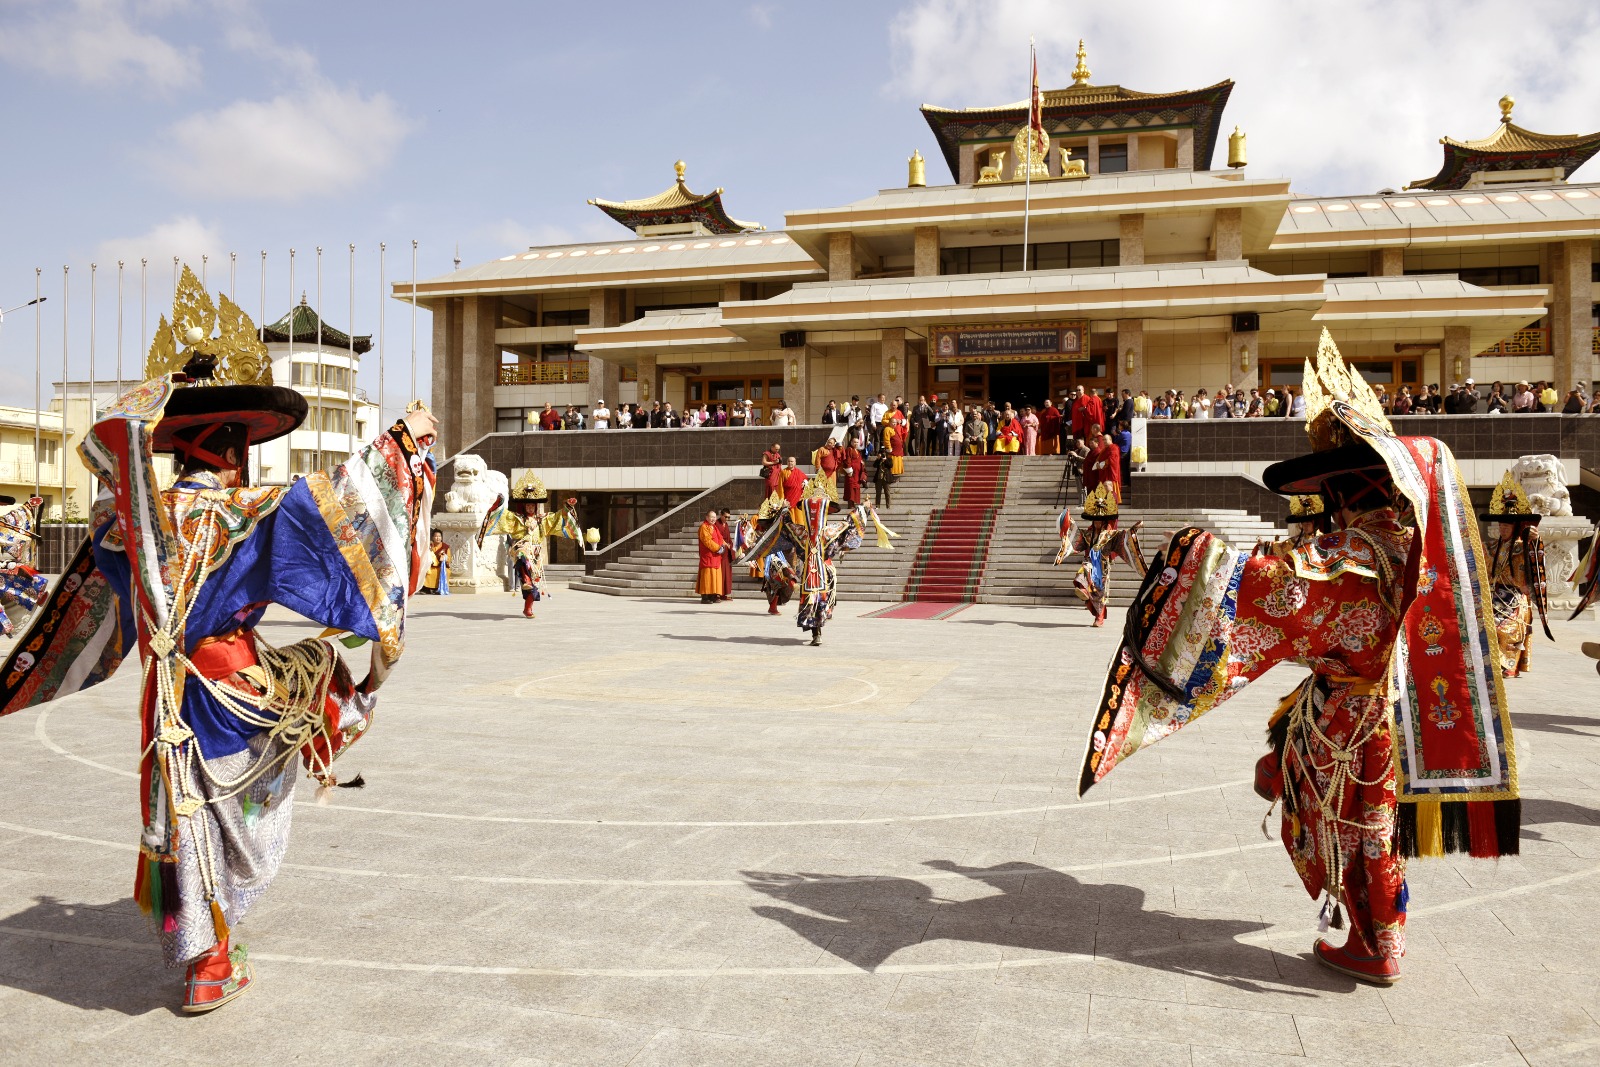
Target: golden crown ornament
<point x="216" y="336"/>
<point x="1509" y="498"/>
<point x="1102" y="503"/>
<point x="1305" y="505"/>
<point x="1328" y="378"/>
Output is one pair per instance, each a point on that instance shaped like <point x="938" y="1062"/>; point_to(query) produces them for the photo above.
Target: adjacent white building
<point x="321" y="362"/>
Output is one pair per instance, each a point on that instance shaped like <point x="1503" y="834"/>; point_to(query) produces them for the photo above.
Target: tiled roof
<point x="1510" y="147"/>
<point x="676" y="205"/>
<point x="1414" y="215"/>
<point x="301" y="325"/>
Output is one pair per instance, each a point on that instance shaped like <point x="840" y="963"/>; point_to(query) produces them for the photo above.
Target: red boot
<point x="1353" y="961"/>
<point x="527" y="605"/>
<point x="772" y="606"/>
<point x="217" y="977"/>
<point x="1269" y="778"/>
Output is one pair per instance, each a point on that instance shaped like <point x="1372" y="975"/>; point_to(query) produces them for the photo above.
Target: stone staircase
<point x="1009" y="546"/>
<point x="1025" y="539"/>
<point x="667" y="567"/>
<point x="950" y="561"/>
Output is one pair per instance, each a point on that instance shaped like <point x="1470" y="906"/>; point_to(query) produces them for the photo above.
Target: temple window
<point x="1113" y="157"/>
<point x="1057" y="255"/>
<point x="568" y="317"/>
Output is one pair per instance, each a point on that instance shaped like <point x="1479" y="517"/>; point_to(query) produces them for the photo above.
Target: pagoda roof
<point x="1086" y="109"/>
<point x="301" y="326"/>
<point x="1510" y="147"/>
<point x="676" y="206"/>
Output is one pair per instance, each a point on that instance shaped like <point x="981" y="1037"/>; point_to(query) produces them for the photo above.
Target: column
<point x="1246" y="347"/>
<point x="1131" y="249"/>
<point x="1133" y="151"/>
<point x="1186" y="149"/>
<point x="649" y="380"/>
<point x="968" y="165"/>
<point x="841" y="257"/>
<point x="447" y="374"/>
<point x="480" y="355"/>
<point x="1387" y="262"/>
<point x="605" y="310"/>
<point x="925" y="252"/>
<point x="892" y="365"/>
<point x="797" y="385"/>
<point x="1455" y="355"/>
<point x="1571" y="333"/>
<point x="1092" y="155"/>
<point x="1227" y="239"/>
<point x="1130" y="348"/>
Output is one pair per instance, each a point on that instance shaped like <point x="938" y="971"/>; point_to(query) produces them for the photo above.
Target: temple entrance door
<point x="1019" y="384"/>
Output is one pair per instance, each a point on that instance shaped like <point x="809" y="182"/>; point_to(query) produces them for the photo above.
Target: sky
<point x="154" y="128"/>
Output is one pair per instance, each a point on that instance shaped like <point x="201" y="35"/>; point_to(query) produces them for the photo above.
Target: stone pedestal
<point x="1561" y="535"/>
<point x="471" y="570"/>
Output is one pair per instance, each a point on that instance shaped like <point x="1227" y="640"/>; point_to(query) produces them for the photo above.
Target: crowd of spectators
<point x="945" y="428"/>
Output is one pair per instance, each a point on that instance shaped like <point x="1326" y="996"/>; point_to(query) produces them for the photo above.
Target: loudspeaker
<point x="792" y="339"/>
<point x="1246" y="321"/>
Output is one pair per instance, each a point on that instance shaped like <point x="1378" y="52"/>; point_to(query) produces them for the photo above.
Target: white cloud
<point x="98" y="42"/>
<point x="762" y="14"/>
<point x="1347" y="97"/>
<point x="184" y="236"/>
<point x="307" y="142"/>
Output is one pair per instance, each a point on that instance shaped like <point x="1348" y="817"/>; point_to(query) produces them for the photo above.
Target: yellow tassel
<point x="218" y="921"/>
<point x="1430" y="828"/>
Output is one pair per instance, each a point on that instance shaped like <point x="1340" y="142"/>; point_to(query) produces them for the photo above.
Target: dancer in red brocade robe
<point x="1399" y="744"/>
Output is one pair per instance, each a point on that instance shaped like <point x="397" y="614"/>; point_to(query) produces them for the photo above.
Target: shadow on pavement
<point x="1539" y="812"/>
<point x="742" y="640"/>
<point x="1029" y="625"/>
<point x="1557" y="724"/>
<point x="866" y="921"/>
<point x="51" y="949"/>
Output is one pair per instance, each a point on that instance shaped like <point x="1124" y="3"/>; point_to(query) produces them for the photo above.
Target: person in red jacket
<point x="772" y="468"/>
<point x="1050" y="430"/>
<point x="851" y="472"/>
<point x="1087" y="411"/>
<point x="794" y="483"/>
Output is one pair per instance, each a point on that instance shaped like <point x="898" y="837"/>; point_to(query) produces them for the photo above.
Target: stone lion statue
<point x="1544" y="479"/>
<point x="475" y="486"/>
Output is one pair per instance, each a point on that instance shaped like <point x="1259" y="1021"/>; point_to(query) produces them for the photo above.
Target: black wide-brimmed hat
<point x="265" y="411"/>
<point x="1305" y="474"/>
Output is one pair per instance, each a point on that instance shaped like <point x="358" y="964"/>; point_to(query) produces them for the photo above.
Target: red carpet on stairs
<point x="955" y="546"/>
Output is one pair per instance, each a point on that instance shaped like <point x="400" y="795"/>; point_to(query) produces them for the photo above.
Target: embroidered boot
<point x="527" y="605"/>
<point x="217" y="977"/>
<point x="1352" y="959"/>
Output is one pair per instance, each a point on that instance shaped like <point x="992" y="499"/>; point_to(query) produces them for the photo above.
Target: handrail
<point x="662" y="525"/>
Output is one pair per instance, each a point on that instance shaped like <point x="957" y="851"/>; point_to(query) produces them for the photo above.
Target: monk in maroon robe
<point x="794" y="483"/>
<point x="772" y="468"/>
<point x="853" y="467"/>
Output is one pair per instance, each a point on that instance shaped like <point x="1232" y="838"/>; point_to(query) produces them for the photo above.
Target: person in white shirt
<point x="783" y="415"/>
<point x="600" y="418"/>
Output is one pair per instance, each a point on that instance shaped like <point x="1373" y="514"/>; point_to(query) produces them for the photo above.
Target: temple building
<point x="1150" y="264"/>
<point x="321" y="362"/>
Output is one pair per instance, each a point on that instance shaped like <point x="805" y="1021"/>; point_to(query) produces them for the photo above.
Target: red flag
<point x="1036" y="101"/>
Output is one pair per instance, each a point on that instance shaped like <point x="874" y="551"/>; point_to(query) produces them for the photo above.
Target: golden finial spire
<point x="679" y="168"/>
<point x="1507" y="102"/>
<point x="1080" y="73"/>
<point x="917" y="170"/>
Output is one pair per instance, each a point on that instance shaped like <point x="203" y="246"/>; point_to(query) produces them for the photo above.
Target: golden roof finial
<point x="916" y="170"/>
<point x="1080" y="73"/>
<point x="1507" y="102"/>
<point x="679" y="167"/>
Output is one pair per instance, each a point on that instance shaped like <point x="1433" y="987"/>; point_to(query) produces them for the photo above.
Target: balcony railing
<point x="25" y="471"/>
<point x="1594" y="342"/>
<point x="1534" y="341"/>
<point x="543" y="373"/>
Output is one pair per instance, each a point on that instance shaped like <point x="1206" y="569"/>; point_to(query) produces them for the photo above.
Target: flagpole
<point x="1027" y="153"/>
<point x="383" y="249"/>
<point x="350" y="383"/>
<point x="38" y="373"/>
<point x="61" y="459"/>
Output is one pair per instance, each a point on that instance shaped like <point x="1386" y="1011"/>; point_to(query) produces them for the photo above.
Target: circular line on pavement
<point x="1258" y="938"/>
<point x="44" y="737"/>
<point x="872" y="687"/>
<point x="690" y="883"/>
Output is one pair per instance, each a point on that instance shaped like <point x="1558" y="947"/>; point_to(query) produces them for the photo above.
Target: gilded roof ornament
<point x="218" y="333"/>
<point x="1510" y="148"/>
<point x="1081" y="73"/>
<point x="677" y="205"/>
<point x="1328" y="378"/>
<point x="1507" y="102"/>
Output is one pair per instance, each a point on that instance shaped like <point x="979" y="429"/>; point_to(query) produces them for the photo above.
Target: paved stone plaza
<point x="647" y="832"/>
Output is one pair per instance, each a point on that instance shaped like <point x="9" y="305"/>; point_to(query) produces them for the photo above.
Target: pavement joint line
<point x="1259" y="939"/>
<point x="589" y="672"/>
<point x="702" y="883"/>
<point x="42" y="734"/>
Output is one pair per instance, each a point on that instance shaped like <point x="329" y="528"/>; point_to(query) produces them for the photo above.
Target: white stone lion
<point x="1544" y="479"/>
<point x="475" y="486"/>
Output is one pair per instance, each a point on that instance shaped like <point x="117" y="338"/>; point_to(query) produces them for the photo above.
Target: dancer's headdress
<point x="1509" y="503"/>
<point x="1102" y="503"/>
<point x="213" y="351"/>
<point x="1342" y="414"/>
<point x="1305" y="506"/>
<point x="529" y="487"/>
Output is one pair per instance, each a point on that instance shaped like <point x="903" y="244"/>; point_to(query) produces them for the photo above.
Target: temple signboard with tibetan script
<point x="1035" y="342"/>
